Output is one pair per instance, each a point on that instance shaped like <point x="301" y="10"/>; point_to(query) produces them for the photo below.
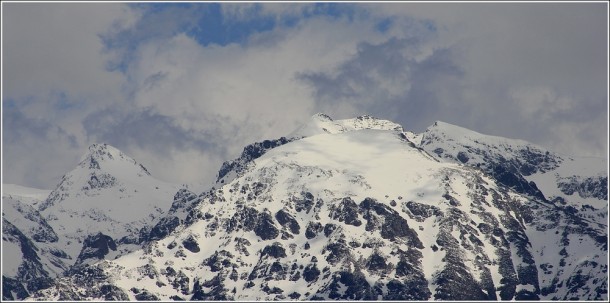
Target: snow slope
<point x="29" y="251"/>
<point x="107" y="192"/>
<point x="28" y="195"/>
<point x="354" y="209"/>
<point x="51" y="231"/>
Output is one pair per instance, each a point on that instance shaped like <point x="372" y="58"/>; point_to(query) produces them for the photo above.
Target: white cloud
<point x="541" y="102"/>
<point x="54" y="47"/>
<point x="534" y="72"/>
<point x="253" y="89"/>
<point x="53" y="74"/>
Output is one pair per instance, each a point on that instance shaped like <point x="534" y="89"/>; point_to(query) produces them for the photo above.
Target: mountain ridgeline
<point x="354" y="209"/>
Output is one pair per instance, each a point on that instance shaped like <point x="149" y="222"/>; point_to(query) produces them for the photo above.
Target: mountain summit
<point x="108" y="199"/>
<point x="107" y="192"/>
<point x="322" y="123"/>
<point x="361" y="209"/>
<point x="338" y="209"/>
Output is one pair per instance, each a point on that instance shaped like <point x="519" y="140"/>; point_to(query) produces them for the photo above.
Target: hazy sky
<point x="183" y="87"/>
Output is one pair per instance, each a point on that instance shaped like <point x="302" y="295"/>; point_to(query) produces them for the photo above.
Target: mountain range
<point x="353" y="209"/>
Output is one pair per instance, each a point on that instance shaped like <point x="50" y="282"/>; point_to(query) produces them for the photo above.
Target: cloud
<point x="478" y="58"/>
<point x="154" y="23"/>
<point x="253" y="87"/>
<point x="34" y="150"/>
<point x="183" y="87"/>
<point x="53" y="74"/>
<point x="53" y="48"/>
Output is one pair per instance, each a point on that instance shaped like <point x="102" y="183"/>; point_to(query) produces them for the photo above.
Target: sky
<point x="182" y="87"/>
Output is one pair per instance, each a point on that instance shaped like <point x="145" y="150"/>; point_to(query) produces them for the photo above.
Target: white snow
<point x="11" y="257"/>
<point x="22" y="191"/>
<point x="357" y="158"/>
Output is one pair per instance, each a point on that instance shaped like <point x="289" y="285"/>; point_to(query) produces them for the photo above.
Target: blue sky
<point x="183" y="87"/>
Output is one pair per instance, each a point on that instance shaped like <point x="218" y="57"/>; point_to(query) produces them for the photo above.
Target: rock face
<point x="96" y="247"/>
<point x="27" y="276"/>
<point x="31" y="258"/>
<point x="107" y="192"/>
<point x="237" y="167"/>
<point x="358" y="209"/>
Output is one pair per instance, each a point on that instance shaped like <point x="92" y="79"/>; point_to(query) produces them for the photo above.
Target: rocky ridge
<point x="360" y="209"/>
<point x="107" y="194"/>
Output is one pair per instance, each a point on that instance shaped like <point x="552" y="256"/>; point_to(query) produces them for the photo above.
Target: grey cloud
<point x="154" y="24"/>
<point x="35" y="152"/>
<point x="360" y="78"/>
<point x="418" y="92"/>
<point x="154" y="79"/>
<point x="178" y="101"/>
<point x="470" y="68"/>
<point x="150" y="131"/>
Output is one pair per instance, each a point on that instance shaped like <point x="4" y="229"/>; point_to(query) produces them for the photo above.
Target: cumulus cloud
<point x="184" y="87"/>
<point x="53" y="74"/>
<point x="54" y="47"/>
<point x="35" y="153"/>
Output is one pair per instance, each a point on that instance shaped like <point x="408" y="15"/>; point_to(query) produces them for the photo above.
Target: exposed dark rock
<point x="421" y="212"/>
<point x="144" y="295"/>
<point x="96" y="247"/>
<point x="591" y="187"/>
<point x="329" y="228"/>
<point x="452" y="201"/>
<point x="463" y="157"/>
<point x="346" y="211"/>
<point x="274" y="250"/>
<point x="409" y="290"/>
<point x="515" y="181"/>
<point x="180" y="281"/>
<point x="219" y="260"/>
<point x="286" y="220"/>
<point x="241" y="246"/>
<point x="265" y="228"/>
<point x="249" y="219"/>
<point x="376" y="262"/>
<point x="311" y="273"/>
<point x="31" y="275"/>
<point x="12" y="289"/>
<point x="176" y="298"/>
<point x="393" y="226"/>
<point x="304" y="203"/>
<point x="245" y="218"/>
<point x="163" y="228"/>
<point x="250" y="152"/>
<point x="357" y="287"/>
<point x="212" y="289"/>
<point x="312" y="230"/>
<point x="336" y="252"/>
<point x="113" y="293"/>
<point x="272" y="291"/>
<point x="191" y="244"/>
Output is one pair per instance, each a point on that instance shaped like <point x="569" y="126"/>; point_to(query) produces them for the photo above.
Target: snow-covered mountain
<point x="107" y="192"/>
<point x="97" y="211"/>
<point x="30" y="257"/>
<point x="569" y="182"/>
<point x="361" y="209"/>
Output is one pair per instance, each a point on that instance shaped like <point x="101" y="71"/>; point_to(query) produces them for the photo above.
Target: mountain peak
<point x="348" y="209"/>
<point x="102" y="147"/>
<point x="321" y="123"/>
<point x="321" y="117"/>
<point x="450" y="128"/>
<point x="447" y="131"/>
<point x="101" y="167"/>
<point x="106" y="153"/>
<point x="103" y="151"/>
